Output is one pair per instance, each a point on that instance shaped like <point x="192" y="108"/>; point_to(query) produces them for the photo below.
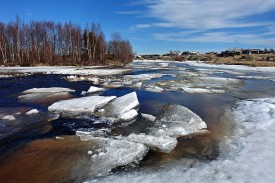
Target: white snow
<point x="31" y="112"/>
<point x="159" y="143"/>
<point x="48" y="90"/>
<point x="78" y="106"/>
<point x="94" y="89"/>
<point x="148" y="117"/>
<point x="246" y="156"/>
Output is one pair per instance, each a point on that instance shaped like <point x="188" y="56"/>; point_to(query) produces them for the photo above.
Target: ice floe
<point x="48" y="90"/>
<point x="94" y="89"/>
<point x="32" y="112"/>
<point x="108" y="154"/>
<point x="148" y="117"/>
<point x="201" y="90"/>
<point x="48" y="95"/>
<point x="177" y="121"/>
<point x="79" y="106"/>
<point x="44" y="97"/>
<point x="9" y="118"/>
<point x="128" y="116"/>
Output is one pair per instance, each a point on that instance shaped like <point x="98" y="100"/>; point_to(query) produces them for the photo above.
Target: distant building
<point x="152" y="57"/>
<point x="234" y="51"/>
<point x="254" y="51"/>
<point x="185" y="53"/>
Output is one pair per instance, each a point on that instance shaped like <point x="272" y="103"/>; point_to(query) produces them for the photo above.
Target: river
<point x="49" y="151"/>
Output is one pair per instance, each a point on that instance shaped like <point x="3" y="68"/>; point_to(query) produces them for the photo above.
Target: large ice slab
<point x="80" y="106"/>
<point x="177" y="121"/>
<point x="44" y="97"/>
<point x="109" y="153"/>
<point x="117" y="109"/>
<point x="159" y="143"/>
<point x="48" y="90"/>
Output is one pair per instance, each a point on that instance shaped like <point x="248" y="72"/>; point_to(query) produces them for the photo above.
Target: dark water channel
<point x="36" y="155"/>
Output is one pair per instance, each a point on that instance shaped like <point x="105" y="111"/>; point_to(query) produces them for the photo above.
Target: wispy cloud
<point x="218" y="37"/>
<point x="128" y="12"/>
<point x="220" y="21"/>
<point x="201" y="14"/>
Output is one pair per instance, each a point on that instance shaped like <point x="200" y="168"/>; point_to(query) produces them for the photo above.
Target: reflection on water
<point x="40" y="157"/>
<point x="48" y="160"/>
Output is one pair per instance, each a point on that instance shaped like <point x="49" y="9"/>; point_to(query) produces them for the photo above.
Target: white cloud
<point x="202" y="14"/>
<point x="219" y="37"/>
<point x="211" y="21"/>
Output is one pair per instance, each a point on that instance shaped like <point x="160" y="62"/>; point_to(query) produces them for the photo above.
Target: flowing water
<point x="49" y="151"/>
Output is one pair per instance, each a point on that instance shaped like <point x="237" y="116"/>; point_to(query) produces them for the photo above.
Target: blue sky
<point x="158" y="26"/>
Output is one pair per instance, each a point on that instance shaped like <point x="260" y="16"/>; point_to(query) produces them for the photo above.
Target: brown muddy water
<point x="49" y="151"/>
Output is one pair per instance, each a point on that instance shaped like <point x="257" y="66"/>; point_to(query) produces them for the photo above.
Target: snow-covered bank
<point x="246" y="156"/>
<point x="91" y="70"/>
<point x="231" y="67"/>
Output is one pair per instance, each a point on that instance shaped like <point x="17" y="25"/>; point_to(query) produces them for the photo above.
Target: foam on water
<point x="247" y="156"/>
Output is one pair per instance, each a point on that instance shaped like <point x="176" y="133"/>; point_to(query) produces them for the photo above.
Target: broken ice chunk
<point x="31" y="112"/>
<point x="148" y="117"/>
<point x="111" y="153"/>
<point x="128" y="116"/>
<point x="94" y="89"/>
<point x="119" y="108"/>
<point x="179" y="121"/>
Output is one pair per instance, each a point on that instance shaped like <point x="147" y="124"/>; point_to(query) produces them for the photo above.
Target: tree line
<point x="49" y="43"/>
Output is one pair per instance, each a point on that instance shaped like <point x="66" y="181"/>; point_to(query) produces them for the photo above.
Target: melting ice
<point x="247" y="155"/>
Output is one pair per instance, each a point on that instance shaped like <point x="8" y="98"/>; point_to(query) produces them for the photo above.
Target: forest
<point x="49" y="43"/>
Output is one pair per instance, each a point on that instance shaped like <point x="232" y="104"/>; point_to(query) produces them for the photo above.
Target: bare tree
<point x="46" y="42"/>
